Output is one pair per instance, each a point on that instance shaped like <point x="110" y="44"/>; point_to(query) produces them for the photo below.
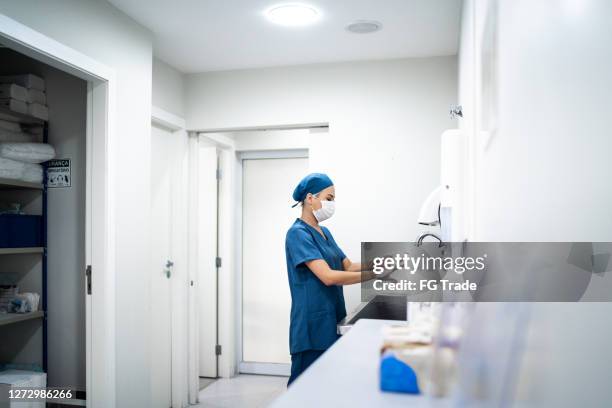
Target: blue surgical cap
<point x="312" y="183"/>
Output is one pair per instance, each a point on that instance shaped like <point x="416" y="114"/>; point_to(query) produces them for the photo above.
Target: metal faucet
<point x="456" y="111"/>
<point x="429" y="234"/>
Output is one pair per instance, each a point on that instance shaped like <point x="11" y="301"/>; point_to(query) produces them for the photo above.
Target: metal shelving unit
<point x="10" y="318"/>
<point x="17" y="185"/>
<point x="17" y="251"/>
<point x="9" y="184"/>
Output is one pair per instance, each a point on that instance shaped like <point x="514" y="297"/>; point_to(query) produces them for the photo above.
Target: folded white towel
<point x="32" y="173"/>
<point x="10" y="136"/>
<point x="14" y="105"/>
<point x="11" y="169"/>
<point x="11" y="126"/>
<point x="27" y="152"/>
<point x="36" y="96"/>
<point x="16" y="170"/>
<point x="25" y="80"/>
<point x="13" y="91"/>
<point x="38" y="111"/>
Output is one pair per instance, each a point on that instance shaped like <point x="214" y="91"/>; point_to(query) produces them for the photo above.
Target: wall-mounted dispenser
<point x="452" y="174"/>
<point x="430" y="210"/>
<point x="442" y="210"/>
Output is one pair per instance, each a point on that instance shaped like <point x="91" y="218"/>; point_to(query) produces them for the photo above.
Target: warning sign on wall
<point x="58" y="173"/>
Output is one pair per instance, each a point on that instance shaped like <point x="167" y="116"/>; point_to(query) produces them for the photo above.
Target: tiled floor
<point x="243" y="391"/>
<point x="205" y="382"/>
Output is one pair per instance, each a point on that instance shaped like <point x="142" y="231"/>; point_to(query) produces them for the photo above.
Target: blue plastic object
<point x="397" y="376"/>
<point x="20" y="231"/>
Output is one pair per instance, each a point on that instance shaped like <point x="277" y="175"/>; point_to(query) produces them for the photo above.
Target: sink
<point x="381" y="307"/>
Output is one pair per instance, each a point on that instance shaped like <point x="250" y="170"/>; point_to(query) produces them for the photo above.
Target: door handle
<point x="168" y="271"/>
<point x="88" y="278"/>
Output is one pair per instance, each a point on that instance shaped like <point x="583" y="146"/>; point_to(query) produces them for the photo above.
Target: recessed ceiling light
<point x="364" y="26"/>
<point x="292" y="14"/>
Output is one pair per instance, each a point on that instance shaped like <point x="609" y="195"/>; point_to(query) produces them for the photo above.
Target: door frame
<point x="230" y="218"/>
<point x="226" y="331"/>
<point x="225" y="242"/>
<point x="180" y="288"/>
<point x="249" y="367"/>
<point x="101" y="139"/>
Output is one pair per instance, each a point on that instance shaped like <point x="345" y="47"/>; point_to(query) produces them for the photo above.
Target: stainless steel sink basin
<point x="381" y="307"/>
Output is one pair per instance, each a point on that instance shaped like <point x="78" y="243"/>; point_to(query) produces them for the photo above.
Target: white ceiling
<point x="214" y="35"/>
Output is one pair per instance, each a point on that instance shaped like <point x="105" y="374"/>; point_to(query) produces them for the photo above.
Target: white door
<point x="207" y="253"/>
<point x="164" y="170"/>
<point x="266" y="300"/>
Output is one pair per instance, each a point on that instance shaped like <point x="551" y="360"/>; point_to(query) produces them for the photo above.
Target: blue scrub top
<point x="315" y="308"/>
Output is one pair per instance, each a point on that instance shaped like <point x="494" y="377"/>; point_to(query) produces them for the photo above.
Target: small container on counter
<point x="421" y="357"/>
<point x="405" y="358"/>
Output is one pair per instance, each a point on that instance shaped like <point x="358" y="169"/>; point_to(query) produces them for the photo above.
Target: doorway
<point x="266" y="301"/>
<point x="213" y="160"/>
<point x="209" y="259"/>
<point x="217" y="165"/>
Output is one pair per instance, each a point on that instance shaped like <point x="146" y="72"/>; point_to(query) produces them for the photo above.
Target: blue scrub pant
<point x="301" y="361"/>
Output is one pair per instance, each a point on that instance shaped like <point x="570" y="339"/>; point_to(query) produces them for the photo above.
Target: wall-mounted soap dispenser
<point x="442" y="209"/>
<point x="429" y="215"/>
<point x="430" y="210"/>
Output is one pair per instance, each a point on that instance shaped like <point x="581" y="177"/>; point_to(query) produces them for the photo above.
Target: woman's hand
<point x="333" y="277"/>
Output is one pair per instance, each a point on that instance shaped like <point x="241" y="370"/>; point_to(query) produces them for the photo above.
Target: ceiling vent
<point x="364" y="26"/>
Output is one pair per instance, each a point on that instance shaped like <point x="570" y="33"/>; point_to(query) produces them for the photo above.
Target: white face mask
<point x="326" y="211"/>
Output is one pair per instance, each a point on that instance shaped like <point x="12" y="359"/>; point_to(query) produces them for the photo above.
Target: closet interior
<point x="42" y="226"/>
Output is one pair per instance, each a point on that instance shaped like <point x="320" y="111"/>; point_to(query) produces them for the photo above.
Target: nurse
<point x="317" y="269"/>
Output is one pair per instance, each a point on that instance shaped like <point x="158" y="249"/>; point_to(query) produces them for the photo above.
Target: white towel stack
<point x="12" y="132"/>
<point x="20" y="155"/>
<point x="25" y="94"/>
<point x="27" y="152"/>
<point x="24" y="170"/>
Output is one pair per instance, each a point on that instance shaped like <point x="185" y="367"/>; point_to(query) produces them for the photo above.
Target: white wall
<point x="383" y="146"/>
<point x="271" y="139"/>
<point x="544" y="175"/>
<point x="100" y="31"/>
<point x="168" y="92"/>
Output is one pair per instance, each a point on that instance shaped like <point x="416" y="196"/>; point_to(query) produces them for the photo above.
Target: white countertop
<point x="346" y="375"/>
